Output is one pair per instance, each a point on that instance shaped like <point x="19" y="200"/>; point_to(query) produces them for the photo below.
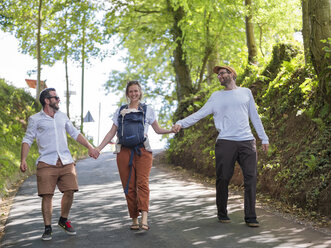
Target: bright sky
<point x="15" y="65"/>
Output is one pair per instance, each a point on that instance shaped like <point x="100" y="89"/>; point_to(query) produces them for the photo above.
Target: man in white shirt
<point x="55" y="165"/>
<point x="232" y="108"/>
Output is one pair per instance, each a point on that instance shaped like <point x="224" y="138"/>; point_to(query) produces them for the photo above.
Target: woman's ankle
<point x="144" y="217"/>
<point x="135" y="221"/>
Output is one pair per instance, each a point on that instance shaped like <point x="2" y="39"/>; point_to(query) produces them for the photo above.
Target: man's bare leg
<point x="47" y="209"/>
<point x="66" y="203"/>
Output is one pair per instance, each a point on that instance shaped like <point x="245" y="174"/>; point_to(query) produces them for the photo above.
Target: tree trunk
<point x="183" y="77"/>
<point x="66" y="65"/>
<point x="251" y="44"/>
<point x="38" y="51"/>
<point x="305" y="29"/>
<point x="320" y="21"/>
<point x="212" y="61"/>
<point x="209" y="48"/>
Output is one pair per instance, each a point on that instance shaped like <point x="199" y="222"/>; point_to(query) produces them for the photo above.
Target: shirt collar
<point x="46" y="115"/>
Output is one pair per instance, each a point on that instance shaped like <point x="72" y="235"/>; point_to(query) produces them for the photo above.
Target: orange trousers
<point x="138" y="193"/>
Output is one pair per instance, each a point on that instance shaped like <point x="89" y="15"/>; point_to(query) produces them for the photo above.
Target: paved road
<point x="182" y="214"/>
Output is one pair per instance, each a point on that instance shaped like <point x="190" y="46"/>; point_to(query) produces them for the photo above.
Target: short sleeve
<point x="150" y="115"/>
<point x="115" y="117"/>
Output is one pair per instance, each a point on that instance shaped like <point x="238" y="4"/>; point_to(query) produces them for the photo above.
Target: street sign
<point x="33" y="83"/>
<point x="71" y="93"/>
<point x="88" y="117"/>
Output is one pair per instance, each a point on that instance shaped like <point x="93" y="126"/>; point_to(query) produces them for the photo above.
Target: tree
<point x="63" y="28"/>
<point x="5" y="18"/>
<point x="151" y="34"/>
<point x="39" y="23"/>
<point x="173" y="41"/>
<point x="29" y="22"/>
<point x="251" y="44"/>
<point x="319" y="31"/>
<point x="183" y="78"/>
<point x="305" y="29"/>
<point x="275" y="21"/>
<point x="89" y="35"/>
<point x="62" y="33"/>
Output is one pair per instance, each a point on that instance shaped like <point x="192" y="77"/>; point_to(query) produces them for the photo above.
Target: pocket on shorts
<point x="42" y="165"/>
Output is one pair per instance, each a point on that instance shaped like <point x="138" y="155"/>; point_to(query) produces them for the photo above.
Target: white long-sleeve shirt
<point x="232" y="110"/>
<point x="51" y="137"/>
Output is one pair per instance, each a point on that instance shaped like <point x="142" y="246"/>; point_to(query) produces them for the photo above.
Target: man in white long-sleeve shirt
<point x="232" y="109"/>
<point x="55" y="165"/>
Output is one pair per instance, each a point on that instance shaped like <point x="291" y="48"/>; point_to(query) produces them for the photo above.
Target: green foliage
<point x="17" y="106"/>
<point x="212" y="32"/>
<point x="5" y="19"/>
<point x="275" y="20"/>
<point x="24" y="24"/>
<point x="297" y="168"/>
<point x="62" y="25"/>
<point x="65" y="32"/>
<point x="327" y="49"/>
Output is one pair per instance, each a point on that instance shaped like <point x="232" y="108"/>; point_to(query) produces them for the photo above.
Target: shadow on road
<point x="182" y="214"/>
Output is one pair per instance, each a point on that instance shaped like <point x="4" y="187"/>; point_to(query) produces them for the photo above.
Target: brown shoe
<point x="225" y="219"/>
<point x="252" y="222"/>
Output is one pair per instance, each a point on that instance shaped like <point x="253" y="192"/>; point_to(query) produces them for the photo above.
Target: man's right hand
<point x="176" y="128"/>
<point x="23" y="166"/>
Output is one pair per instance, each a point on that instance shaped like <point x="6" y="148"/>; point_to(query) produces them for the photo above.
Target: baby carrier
<point x="130" y="132"/>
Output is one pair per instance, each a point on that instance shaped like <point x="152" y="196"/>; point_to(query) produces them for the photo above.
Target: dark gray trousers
<point x="227" y="152"/>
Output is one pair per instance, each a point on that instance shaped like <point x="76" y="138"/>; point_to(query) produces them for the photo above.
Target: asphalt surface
<point x="182" y="214"/>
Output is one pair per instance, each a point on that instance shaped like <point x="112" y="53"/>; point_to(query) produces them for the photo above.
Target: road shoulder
<point x="5" y="205"/>
<point x="310" y="220"/>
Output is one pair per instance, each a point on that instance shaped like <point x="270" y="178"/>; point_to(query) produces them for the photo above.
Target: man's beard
<point x="54" y="106"/>
<point x="226" y="81"/>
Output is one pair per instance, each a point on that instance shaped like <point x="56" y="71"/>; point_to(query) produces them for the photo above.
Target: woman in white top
<point x="137" y="193"/>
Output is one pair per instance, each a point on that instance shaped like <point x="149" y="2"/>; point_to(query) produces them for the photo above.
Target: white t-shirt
<point x="150" y="118"/>
<point x="232" y="110"/>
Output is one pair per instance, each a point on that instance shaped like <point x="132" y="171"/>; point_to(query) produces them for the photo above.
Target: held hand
<point x="23" y="166"/>
<point x="176" y="128"/>
<point x="97" y="153"/>
<point x="173" y="130"/>
<point x="265" y="148"/>
<point x="94" y="153"/>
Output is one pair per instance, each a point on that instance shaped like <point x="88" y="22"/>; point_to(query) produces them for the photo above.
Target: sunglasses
<point x="55" y="97"/>
<point x="223" y="72"/>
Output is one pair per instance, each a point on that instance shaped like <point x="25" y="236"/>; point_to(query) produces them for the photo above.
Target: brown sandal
<point x="134" y="227"/>
<point x="144" y="227"/>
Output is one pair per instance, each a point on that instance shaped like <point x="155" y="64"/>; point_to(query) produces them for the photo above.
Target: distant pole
<point x="99" y="122"/>
<point x="83" y="68"/>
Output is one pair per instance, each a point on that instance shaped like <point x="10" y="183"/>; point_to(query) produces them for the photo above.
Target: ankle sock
<point x="63" y="220"/>
<point x="48" y="227"/>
